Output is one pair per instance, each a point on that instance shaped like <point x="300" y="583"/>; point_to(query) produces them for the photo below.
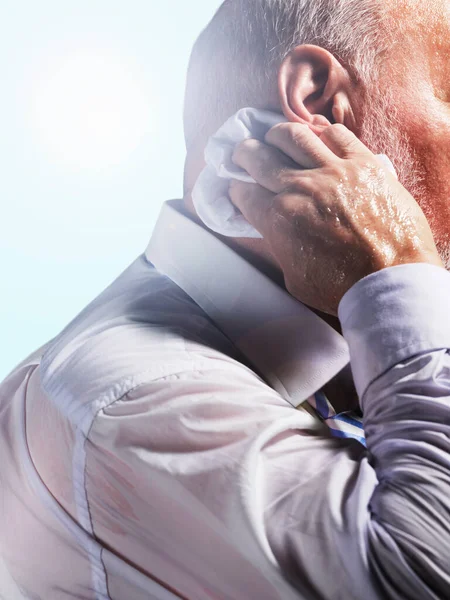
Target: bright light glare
<point x="90" y="111"/>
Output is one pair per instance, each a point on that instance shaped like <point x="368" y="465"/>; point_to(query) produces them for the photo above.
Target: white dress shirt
<point x="153" y="450"/>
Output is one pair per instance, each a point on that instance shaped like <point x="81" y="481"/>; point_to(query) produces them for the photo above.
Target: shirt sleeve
<point x="208" y="481"/>
<point x="397" y="326"/>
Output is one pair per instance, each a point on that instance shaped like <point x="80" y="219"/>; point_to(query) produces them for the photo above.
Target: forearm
<point x="406" y="407"/>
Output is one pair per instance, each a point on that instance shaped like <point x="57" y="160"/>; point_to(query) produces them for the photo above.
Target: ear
<point x="314" y="88"/>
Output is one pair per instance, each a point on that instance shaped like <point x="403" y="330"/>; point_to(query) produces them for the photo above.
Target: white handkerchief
<point x="210" y="193"/>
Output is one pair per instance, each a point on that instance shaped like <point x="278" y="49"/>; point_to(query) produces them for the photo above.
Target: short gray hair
<point x="235" y="60"/>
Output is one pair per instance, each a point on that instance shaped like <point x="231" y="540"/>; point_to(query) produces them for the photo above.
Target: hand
<point x="330" y="212"/>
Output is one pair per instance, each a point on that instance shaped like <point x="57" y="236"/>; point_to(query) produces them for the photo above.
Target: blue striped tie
<point x="343" y="425"/>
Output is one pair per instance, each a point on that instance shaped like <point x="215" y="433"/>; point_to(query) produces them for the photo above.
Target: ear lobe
<point x="312" y="87"/>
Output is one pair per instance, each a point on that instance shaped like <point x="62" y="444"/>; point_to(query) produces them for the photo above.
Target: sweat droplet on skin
<point x="375" y="211"/>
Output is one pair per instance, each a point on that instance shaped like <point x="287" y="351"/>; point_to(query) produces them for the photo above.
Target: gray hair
<point x="235" y="60"/>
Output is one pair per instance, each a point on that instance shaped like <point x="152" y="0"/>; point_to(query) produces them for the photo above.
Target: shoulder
<point x="142" y="328"/>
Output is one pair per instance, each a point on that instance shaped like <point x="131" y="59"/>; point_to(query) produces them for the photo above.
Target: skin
<point x="380" y="224"/>
<point x="331" y="223"/>
<point x="420" y="78"/>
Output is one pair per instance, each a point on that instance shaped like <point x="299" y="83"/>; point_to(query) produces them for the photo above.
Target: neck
<point x="340" y="390"/>
<point x="257" y="253"/>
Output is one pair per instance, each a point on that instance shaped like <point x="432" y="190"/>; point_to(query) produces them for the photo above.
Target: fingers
<point x="299" y="143"/>
<point x="267" y="165"/>
<point x="254" y="202"/>
<point x="343" y="142"/>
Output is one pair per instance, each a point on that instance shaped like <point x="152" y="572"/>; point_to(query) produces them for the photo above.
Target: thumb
<point x="254" y="202"/>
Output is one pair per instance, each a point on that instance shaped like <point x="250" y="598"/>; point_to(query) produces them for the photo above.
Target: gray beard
<point x="381" y="132"/>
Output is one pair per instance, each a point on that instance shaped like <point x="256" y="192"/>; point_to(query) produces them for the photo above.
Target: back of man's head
<point x="391" y="88"/>
<point x="235" y="61"/>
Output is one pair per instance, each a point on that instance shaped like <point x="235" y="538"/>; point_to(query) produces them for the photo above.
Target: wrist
<point x="424" y="256"/>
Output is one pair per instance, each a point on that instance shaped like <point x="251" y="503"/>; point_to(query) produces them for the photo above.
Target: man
<point x="144" y="454"/>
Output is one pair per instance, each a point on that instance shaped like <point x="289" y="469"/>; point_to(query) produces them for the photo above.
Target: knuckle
<point x="282" y="131"/>
<point x="289" y="178"/>
<point x="337" y="129"/>
<point x="311" y="185"/>
<point x="279" y="129"/>
<point x="298" y="131"/>
<point x="284" y="203"/>
<point x="237" y="153"/>
<point x="240" y="191"/>
<point x="296" y="185"/>
<point x="250" y="144"/>
<point x="297" y="134"/>
<point x="279" y="203"/>
<point x="243" y="148"/>
<point x="275" y="133"/>
<point x="338" y="171"/>
<point x="340" y="133"/>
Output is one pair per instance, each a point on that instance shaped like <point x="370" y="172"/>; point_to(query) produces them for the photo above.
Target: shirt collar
<point x="293" y="349"/>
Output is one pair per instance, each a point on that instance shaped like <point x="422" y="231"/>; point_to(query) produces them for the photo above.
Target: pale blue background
<point x="66" y="234"/>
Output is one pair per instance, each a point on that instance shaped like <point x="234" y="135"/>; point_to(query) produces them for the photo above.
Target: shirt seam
<point x="82" y="440"/>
